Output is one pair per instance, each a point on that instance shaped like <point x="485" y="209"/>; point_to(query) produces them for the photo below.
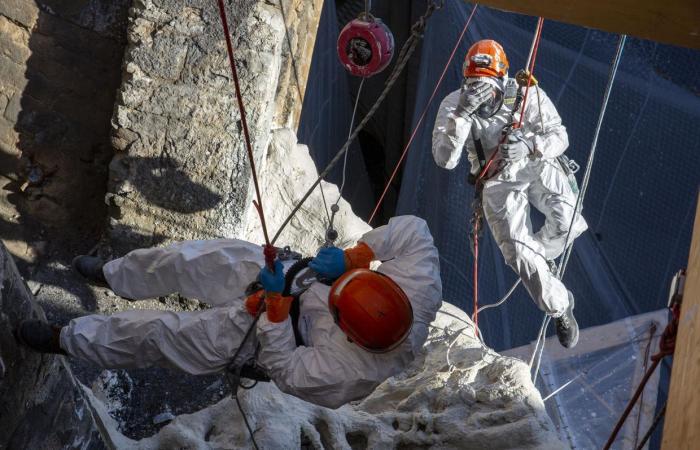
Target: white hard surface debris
<point x="286" y="174"/>
<point x="478" y="400"/>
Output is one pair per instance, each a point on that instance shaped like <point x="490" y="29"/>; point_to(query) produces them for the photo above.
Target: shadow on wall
<point x="163" y="182"/>
<point x="60" y="70"/>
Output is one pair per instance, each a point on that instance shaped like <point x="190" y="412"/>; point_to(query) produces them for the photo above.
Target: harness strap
<point x="480" y="155"/>
<point x="294" y="313"/>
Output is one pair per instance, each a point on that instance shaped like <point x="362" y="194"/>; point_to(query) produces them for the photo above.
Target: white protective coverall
<point x="328" y="370"/>
<point x="539" y="180"/>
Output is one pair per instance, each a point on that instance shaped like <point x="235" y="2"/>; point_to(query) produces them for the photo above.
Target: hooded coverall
<point x="538" y="179"/>
<point x="327" y="370"/>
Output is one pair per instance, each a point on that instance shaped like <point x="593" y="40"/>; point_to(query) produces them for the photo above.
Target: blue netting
<point x="643" y="189"/>
<point x="326" y="114"/>
<point x="644" y="183"/>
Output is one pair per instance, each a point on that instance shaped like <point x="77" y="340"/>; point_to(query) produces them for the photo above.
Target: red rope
<point x="269" y="252"/>
<point x="538" y="36"/>
<point x="631" y="403"/>
<point x="530" y="69"/>
<point x="667" y="345"/>
<point x="475" y="276"/>
<point x="484" y="171"/>
<point x="422" y="116"/>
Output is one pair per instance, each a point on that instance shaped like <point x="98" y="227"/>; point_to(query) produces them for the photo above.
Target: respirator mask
<point x="494" y="102"/>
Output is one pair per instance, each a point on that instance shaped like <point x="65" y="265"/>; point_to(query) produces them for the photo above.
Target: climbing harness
<point x="422" y="116"/>
<point x="404" y="56"/>
<point x="250" y="368"/>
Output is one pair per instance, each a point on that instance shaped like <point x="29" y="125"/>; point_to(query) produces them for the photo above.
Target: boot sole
<point x="570" y="310"/>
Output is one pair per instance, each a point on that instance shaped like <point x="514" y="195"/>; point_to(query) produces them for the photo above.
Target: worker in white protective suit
<point x="527" y="168"/>
<point x="366" y="327"/>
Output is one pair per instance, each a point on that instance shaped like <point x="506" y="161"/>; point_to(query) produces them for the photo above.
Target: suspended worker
<point x="528" y="167"/>
<point x="367" y="326"/>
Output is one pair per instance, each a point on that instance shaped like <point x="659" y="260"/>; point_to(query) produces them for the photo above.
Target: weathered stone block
<point x="41" y="404"/>
<point x="184" y="171"/>
<point x="20" y="11"/>
<point x="14" y="40"/>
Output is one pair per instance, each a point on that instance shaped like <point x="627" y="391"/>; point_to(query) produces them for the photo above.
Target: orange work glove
<point x="277" y="307"/>
<point x="358" y="257"/>
<point x="252" y="303"/>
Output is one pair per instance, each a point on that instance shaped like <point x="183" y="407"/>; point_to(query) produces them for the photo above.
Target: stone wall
<point x="59" y="70"/>
<point x="41" y="404"/>
<point x="181" y="169"/>
<point x="301" y="18"/>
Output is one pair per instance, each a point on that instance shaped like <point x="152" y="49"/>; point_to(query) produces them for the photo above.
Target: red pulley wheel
<point x="365" y="46"/>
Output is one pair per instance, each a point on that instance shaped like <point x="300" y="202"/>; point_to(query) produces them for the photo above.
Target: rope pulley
<point x="365" y="46"/>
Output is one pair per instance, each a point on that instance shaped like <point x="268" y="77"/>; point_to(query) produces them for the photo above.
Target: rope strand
<point x="422" y="116"/>
<point x="589" y="164"/>
<point x="568" y="245"/>
<point x="246" y="134"/>
<point x="404" y="56"/>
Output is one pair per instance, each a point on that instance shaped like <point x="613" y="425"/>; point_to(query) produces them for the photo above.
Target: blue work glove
<point x="329" y="262"/>
<point x="272" y="282"/>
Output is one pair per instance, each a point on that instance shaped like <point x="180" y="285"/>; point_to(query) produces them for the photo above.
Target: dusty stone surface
<point x="286" y="174"/>
<point x="59" y="69"/>
<point x="456" y="395"/>
<point x="301" y="18"/>
<point x="181" y="169"/>
<point x="42" y="407"/>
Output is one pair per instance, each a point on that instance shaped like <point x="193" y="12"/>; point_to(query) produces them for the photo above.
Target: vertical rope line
<point x="589" y="165"/>
<point x="587" y="175"/>
<point x="422" y="116"/>
<point x="352" y="123"/>
<point x="531" y="67"/>
<point x="244" y="122"/>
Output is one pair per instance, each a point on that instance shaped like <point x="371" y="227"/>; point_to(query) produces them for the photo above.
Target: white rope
<point x="589" y="165"/>
<point x="537" y="344"/>
<point x="568" y="244"/>
<point x="545" y="322"/>
<point x="352" y="124"/>
<point x="502" y="300"/>
<point x="563" y="386"/>
<point x="532" y="46"/>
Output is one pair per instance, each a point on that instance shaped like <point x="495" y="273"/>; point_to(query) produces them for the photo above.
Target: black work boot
<point x="40" y="336"/>
<point x="90" y="267"/>
<point x="567" y="327"/>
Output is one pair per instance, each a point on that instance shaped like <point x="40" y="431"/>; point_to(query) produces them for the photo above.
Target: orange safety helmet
<point x="371" y="309"/>
<point x="485" y="58"/>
